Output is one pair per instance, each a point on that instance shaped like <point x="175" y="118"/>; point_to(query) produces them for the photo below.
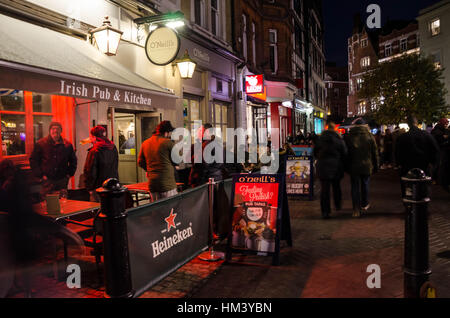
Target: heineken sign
<point x="162" y="46"/>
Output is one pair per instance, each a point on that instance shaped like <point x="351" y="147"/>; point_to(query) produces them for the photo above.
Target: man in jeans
<point x="155" y="158"/>
<point x="362" y="162"/>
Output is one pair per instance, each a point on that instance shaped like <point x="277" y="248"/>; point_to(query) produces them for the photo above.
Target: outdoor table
<point x="71" y="210"/>
<point x="142" y="188"/>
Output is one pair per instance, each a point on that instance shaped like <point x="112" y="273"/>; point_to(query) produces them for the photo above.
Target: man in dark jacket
<point x="53" y="160"/>
<point x="101" y="163"/>
<point x="155" y="157"/>
<point x="362" y="162"/>
<point x="415" y="149"/>
<point x="441" y="171"/>
<point x="331" y="153"/>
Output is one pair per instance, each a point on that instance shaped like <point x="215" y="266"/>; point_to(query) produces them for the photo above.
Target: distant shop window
<point x="435" y="27"/>
<point x="359" y="83"/>
<point x="221" y="118"/>
<point x="219" y="86"/>
<point x="25" y="118"/>
<point x="363" y="42"/>
<point x="215" y="17"/>
<point x="199" y="9"/>
<point x="273" y="50"/>
<point x="403" y="45"/>
<point x="13" y="134"/>
<point x="13" y="102"/>
<point x="191" y="113"/>
<point x="388" y="50"/>
<point x="365" y="61"/>
<point x="437" y="60"/>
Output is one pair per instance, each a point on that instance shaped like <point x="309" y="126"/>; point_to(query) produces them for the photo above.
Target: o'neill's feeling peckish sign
<point x="259" y="212"/>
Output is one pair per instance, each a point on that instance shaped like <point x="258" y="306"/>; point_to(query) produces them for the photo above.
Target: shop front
<point x="49" y="76"/>
<point x="209" y="95"/>
<point x="319" y="122"/>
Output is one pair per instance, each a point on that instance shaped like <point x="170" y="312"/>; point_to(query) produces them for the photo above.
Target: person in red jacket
<point x="102" y="161"/>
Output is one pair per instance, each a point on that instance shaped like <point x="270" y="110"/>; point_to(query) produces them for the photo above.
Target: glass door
<point x="125" y="141"/>
<point x="145" y="126"/>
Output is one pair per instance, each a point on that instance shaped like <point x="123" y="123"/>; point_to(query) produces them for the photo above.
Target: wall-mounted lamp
<point x="185" y="65"/>
<point x="107" y="38"/>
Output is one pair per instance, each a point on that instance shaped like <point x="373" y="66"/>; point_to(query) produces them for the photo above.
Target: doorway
<point x="131" y="130"/>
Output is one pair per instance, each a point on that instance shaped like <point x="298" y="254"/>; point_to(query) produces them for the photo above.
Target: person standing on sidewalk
<point x="155" y="158"/>
<point x="102" y="161"/>
<point x="53" y="160"/>
<point x="362" y="162"/>
<point x="441" y="170"/>
<point x="331" y="153"/>
<point x="415" y="149"/>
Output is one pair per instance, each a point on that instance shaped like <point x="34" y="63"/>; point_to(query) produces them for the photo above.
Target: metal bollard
<point x="416" y="262"/>
<point x="115" y="240"/>
<point x="211" y="255"/>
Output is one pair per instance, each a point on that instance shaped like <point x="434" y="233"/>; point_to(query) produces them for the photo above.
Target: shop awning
<point x="38" y="59"/>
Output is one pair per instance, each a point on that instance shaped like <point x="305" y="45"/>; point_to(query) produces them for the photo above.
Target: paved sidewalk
<point x="328" y="259"/>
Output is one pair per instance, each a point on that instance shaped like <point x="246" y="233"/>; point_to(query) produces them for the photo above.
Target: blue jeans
<point x="360" y="191"/>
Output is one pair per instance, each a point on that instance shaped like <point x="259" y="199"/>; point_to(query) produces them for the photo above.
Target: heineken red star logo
<point x="170" y="220"/>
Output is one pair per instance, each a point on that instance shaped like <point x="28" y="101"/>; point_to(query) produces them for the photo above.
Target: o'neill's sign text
<point x="103" y="93"/>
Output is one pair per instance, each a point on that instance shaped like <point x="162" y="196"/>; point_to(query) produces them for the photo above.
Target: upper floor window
<point x="437" y="59"/>
<point x="199" y="11"/>
<point x="254" y="43"/>
<point x="365" y="61"/>
<point x="435" y="27"/>
<point x="387" y="50"/>
<point x="363" y="42"/>
<point x="273" y="50"/>
<point x="215" y="17"/>
<point x="244" y="36"/>
<point x="359" y="83"/>
<point x="403" y="44"/>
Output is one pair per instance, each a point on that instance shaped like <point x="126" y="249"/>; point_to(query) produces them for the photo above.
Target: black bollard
<point x="115" y="240"/>
<point x="416" y="263"/>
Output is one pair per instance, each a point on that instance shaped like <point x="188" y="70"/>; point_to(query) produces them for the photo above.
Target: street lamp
<point x="107" y="38"/>
<point x="186" y="66"/>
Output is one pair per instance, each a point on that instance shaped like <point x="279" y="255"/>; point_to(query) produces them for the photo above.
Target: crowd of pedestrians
<point x="361" y="154"/>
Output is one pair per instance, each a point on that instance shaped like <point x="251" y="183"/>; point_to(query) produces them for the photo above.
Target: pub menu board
<point x="299" y="179"/>
<point x="256" y="213"/>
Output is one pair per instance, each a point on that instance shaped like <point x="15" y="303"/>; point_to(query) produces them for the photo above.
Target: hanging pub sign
<point x="260" y="215"/>
<point x="254" y="84"/>
<point x="162" y="46"/>
<point x="299" y="176"/>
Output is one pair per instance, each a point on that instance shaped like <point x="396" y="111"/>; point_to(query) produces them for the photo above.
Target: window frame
<point x="273" y="46"/>
<point x="433" y="31"/>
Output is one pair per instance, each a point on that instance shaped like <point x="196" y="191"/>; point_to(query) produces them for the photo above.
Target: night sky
<point x="338" y="19"/>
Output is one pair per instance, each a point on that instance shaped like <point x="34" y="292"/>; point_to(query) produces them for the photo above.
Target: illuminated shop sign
<point x="254" y="84"/>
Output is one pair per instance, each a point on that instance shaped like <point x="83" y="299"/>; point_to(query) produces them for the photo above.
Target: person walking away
<point x="53" y="160"/>
<point x="388" y="148"/>
<point x="331" y="153"/>
<point x="362" y="162"/>
<point x="415" y="149"/>
<point x="102" y="161"/>
<point x="441" y="171"/>
<point x="155" y="159"/>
